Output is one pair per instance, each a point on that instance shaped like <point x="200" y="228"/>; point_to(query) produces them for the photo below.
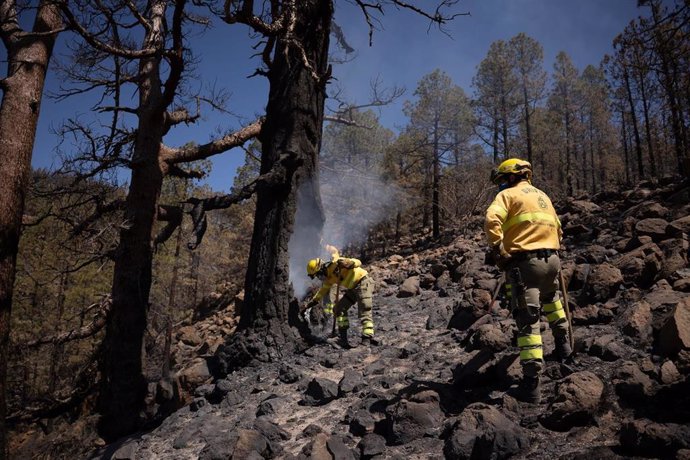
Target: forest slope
<point x="437" y="385"/>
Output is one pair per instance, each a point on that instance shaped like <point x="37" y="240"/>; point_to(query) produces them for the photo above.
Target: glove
<point x="499" y="256"/>
<point x="306" y="310"/>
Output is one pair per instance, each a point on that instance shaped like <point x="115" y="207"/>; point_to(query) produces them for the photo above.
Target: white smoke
<point x="353" y="202"/>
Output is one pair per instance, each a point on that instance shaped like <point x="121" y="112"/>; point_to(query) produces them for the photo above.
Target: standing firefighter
<point x="524" y="235"/>
<point x="348" y="276"/>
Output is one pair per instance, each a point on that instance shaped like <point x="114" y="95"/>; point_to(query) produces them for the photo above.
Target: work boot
<point x="529" y="390"/>
<point x="342" y="338"/>
<point x="368" y="340"/>
<point x="563" y="351"/>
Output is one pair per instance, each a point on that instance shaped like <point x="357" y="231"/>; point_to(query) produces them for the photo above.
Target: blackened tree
<point x="295" y="58"/>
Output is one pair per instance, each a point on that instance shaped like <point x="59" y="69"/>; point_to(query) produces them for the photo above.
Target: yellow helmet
<point x="313" y="266"/>
<point x="511" y="166"/>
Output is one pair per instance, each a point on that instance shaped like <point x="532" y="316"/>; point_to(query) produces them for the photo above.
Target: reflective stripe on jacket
<point x="523" y="218"/>
<point x="345" y="277"/>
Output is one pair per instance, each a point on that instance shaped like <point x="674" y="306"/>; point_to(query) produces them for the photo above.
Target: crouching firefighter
<point x="524" y="236"/>
<point x="348" y="276"/>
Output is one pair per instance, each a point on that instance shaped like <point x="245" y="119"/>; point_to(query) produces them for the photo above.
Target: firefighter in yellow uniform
<point x="354" y="286"/>
<point x="524" y="236"/>
<point x="329" y="301"/>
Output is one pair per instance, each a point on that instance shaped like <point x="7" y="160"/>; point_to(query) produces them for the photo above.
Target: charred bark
<point x="636" y="131"/>
<point x="123" y="386"/>
<point x="290" y="139"/>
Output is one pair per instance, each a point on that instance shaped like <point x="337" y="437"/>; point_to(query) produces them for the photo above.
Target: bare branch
<point x="379" y="97"/>
<point x="109" y="108"/>
<point x="9" y="23"/>
<point x="135" y="11"/>
<point x="173" y="216"/>
<point x="98" y="44"/>
<point x="340" y="38"/>
<point x="100" y="211"/>
<point x="87" y="331"/>
<point x="84" y="383"/>
<point x="199" y="152"/>
<point x="437" y="16"/>
<point x="11" y="32"/>
<point x="200" y="206"/>
<point x="180" y="116"/>
<point x="175" y="55"/>
<point x="345" y="121"/>
<point x="176" y="171"/>
<point x="244" y="14"/>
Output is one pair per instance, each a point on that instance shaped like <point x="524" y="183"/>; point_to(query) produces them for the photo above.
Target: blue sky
<point x="404" y="49"/>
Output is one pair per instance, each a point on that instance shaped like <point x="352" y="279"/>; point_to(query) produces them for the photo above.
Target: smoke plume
<point x="353" y="202"/>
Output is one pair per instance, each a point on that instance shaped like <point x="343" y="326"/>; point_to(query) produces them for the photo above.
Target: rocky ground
<point x="436" y="387"/>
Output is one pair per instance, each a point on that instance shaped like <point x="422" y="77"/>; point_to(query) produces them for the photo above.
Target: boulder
<point x="651" y="439"/>
<point x="362" y="423"/>
<point x="675" y="256"/>
<point x="372" y="445"/>
<point x="646" y="210"/>
<point x="577" y="398"/>
<point x="607" y="347"/>
<point x="320" y="391"/>
<point x="679" y="226"/>
<point x="489" y="336"/>
<point x="194" y="375"/>
<point x="674" y="335"/>
<point x="413" y="418"/>
<point x="653" y="227"/>
<point x="604" y="281"/>
<point x="483" y="432"/>
<point x="189" y="336"/>
<point x="410" y="287"/>
<point x="632" y="385"/>
<point x="352" y="381"/>
<point x="642" y="265"/>
<point x="636" y="321"/>
<point x="668" y="373"/>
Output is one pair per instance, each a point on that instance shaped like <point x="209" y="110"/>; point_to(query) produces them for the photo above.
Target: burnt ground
<point x="437" y="386"/>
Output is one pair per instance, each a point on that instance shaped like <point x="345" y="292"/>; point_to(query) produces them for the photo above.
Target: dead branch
<point x="173" y="216"/>
<point x="345" y="121"/>
<point x="102" y="209"/>
<point x="201" y="206"/>
<point x="437" y="16"/>
<point x="200" y="152"/>
<point x="84" y="385"/>
<point x="98" y="44"/>
<point x="243" y="13"/>
<point x="86" y="331"/>
<point x="340" y="38"/>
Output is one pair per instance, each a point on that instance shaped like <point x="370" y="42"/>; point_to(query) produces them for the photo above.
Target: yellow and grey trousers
<point x="540" y="279"/>
<point x="328" y="301"/>
<point x="361" y="294"/>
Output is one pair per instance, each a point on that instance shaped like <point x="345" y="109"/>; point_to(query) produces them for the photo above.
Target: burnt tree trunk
<point x="647" y="126"/>
<point x="528" y="124"/>
<point x="436" y="185"/>
<point x="123" y="386"/>
<point x="668" y="80"/>
<point x="28" y="57"/>
<point x="636" y="131"/>
<point x="290" y="139"/>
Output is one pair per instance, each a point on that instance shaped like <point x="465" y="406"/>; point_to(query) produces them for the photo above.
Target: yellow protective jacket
<point x="522" y="217"/>
<point x="345" y="277"/>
